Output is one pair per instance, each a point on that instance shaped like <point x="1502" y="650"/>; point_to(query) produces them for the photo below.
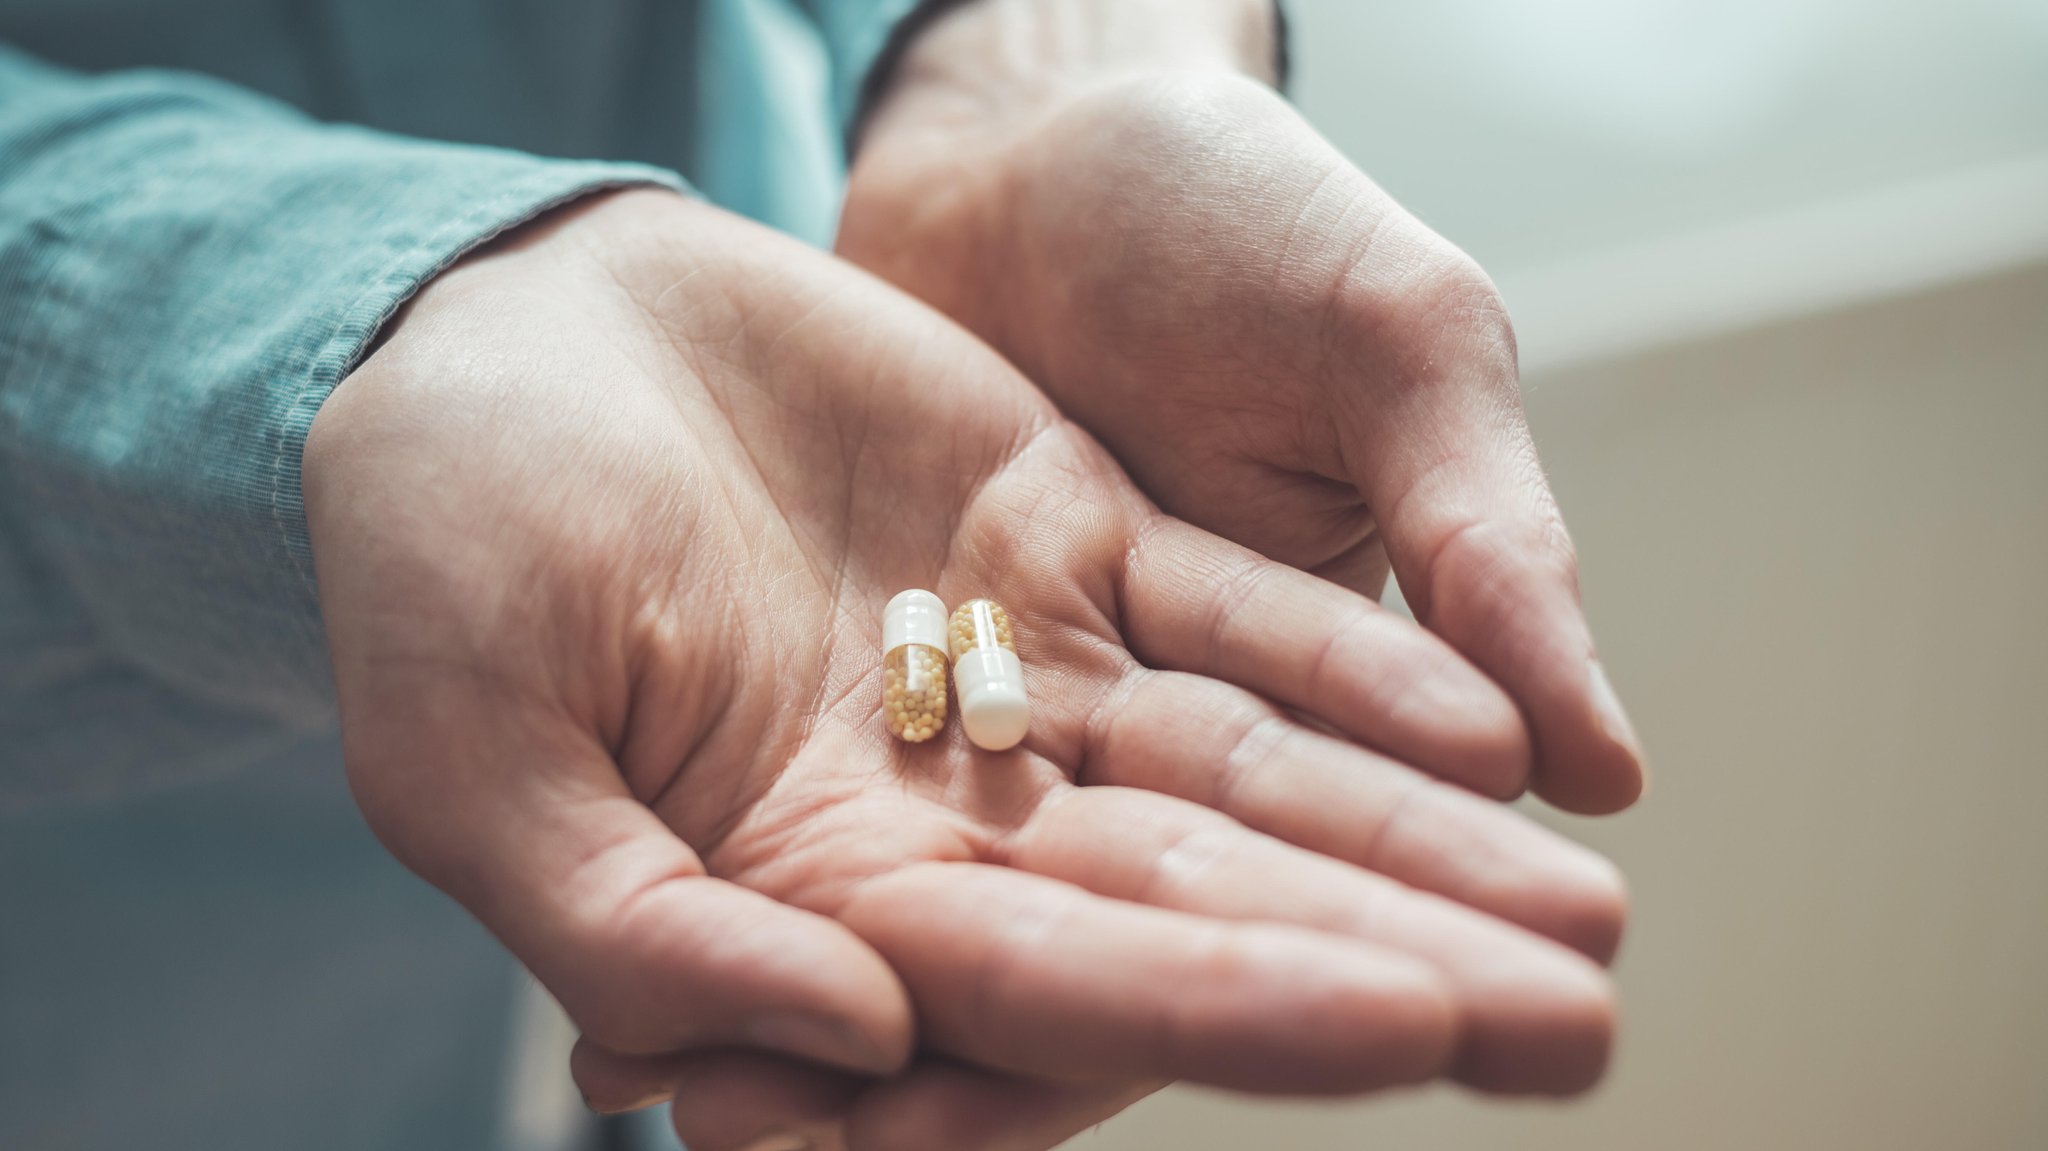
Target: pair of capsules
<point x="919" y="640"/>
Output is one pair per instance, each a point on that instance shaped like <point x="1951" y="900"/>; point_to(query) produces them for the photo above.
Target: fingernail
<point x="1607" y="707"/>
<point x="821" y="1038"/>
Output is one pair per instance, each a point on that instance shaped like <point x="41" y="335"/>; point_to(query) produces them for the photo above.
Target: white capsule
<point x="914" y="666"/>
<point x="994" y="710"/>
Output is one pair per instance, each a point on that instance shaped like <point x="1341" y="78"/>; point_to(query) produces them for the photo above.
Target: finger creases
<point x="1192" y="603"/>
<point x="1505" y="592"/>
<point x="1532" y="1016"/>
<point x="1431" y="428"/>
<point x="1032" y="976"/>
<point x="1227" y="750"/>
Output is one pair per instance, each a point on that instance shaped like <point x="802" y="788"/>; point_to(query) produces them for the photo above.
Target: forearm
<point x="989" y="61"/>
<point x="186" y="270"/>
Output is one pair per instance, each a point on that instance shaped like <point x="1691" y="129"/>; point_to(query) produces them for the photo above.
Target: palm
<point x="670" y="688"/>
<point x="1277" y="353"/>
<point x="1118" y="259"/>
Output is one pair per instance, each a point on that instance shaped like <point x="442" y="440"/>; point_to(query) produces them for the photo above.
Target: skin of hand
<point x="1272" y="347"/>
<point x="602" y="533"/>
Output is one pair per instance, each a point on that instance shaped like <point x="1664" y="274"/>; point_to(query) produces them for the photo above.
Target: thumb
<point x="530" y="826"/>
<point x="1438" y="444"/>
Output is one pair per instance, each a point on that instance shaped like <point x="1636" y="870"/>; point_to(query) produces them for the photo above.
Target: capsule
<point x="914" y="666"/>
<point x="993" y="707"/>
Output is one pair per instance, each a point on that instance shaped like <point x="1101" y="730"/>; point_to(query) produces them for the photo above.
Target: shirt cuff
<point x="881" y="47"/>
<point x="403" y="264"/>
<point x="186" y="273"/>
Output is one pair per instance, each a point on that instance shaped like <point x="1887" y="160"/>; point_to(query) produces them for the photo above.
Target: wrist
<point x="983" y="65"/>
<point x="565" y="246"/>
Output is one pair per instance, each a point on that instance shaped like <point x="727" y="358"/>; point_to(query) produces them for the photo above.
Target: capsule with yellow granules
<point x="914" y="666"/>
<point x="993" y="707"/>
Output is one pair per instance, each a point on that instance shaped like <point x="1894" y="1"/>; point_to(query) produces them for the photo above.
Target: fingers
<point x="1035" y="977"/>
<point x="730" y="1101"/>
<point x="615" y="915"/>
<point x="1191" y="602"/>
<point x="943" y="1106"/>
<point x="649" y="954"/>
<point x="1225" y="749"/>
<point x="612" y="1083"/>
<point x="1430" y="427"/>
<point x="1362" y="568"/>
<point x="726" y="1101"/>
<point x="1533" y="1016"/>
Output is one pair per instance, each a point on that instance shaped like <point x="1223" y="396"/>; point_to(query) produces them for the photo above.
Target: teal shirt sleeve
<point x="774" y="101"/>
<point x="186" y="271"/>
<point x="854" y="32"/>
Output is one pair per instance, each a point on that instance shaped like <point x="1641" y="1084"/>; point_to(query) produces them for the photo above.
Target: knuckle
<point x="1429" y="314"/>
<point x="1458" y="317"/>
<point x="1494" y="565"/>
<point x="1469" y="307"/>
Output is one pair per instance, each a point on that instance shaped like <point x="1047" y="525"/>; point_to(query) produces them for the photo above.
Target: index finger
<point x="1430" y="427"/>
<point x="1033" y="976"/>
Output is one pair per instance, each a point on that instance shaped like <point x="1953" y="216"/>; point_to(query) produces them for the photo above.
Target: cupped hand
<point x="603" y="532"/>
<point x="1273" y="349"/>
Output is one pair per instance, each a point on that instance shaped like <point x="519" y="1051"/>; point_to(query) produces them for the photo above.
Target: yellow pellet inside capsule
<point x="979" y="623"/>
<point x="914" y="692"/>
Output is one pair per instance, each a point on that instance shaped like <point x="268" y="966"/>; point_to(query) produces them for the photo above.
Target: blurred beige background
<point x="1781" y="277"/>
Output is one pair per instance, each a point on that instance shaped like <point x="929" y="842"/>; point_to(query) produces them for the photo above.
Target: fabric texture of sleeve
<point x="866" y="39"/>
<point x="186" y="271"/>
<point x="855" y="32"/>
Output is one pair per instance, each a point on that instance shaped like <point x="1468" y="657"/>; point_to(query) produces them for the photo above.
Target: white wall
<point x="1532" y="132"/>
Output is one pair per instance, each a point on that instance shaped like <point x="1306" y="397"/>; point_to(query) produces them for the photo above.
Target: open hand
<point x="1271" y="347"/>
<point x="603" y="532"/>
